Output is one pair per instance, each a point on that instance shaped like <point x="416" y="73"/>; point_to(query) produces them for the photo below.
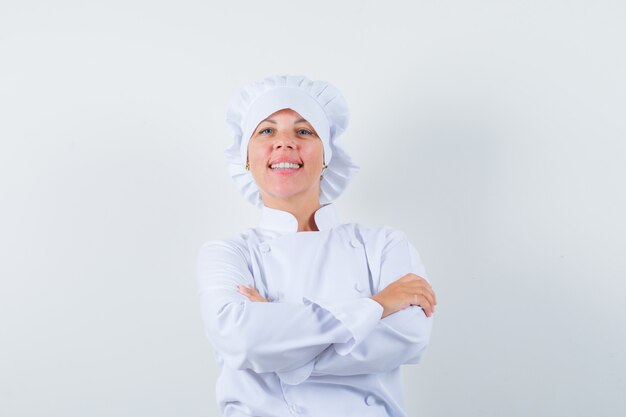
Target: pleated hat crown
<point x="319" y="102"/>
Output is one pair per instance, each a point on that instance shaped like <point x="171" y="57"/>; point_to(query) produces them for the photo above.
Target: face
<point x="286" y="158"/>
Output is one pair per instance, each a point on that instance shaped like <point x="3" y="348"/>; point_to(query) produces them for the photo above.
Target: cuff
<point x="359" y="316"/>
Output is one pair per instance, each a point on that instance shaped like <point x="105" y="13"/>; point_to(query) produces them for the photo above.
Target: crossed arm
<point x="297" y="340"/>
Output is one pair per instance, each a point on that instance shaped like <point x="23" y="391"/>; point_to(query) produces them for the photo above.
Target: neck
<point x="302" y="209"/>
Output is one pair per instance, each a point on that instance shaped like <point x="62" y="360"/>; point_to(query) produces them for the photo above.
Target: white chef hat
<point x="320" y="103"/>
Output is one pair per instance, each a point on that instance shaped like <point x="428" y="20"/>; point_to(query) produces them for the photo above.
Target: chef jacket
<point x="319" y="347"/>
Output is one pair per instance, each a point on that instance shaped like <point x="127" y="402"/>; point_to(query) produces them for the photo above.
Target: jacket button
<point x="355" y="243"/>
<point x="370" y="400"/>
<point x="265" y="247"/>
<point x="358" y="287"/>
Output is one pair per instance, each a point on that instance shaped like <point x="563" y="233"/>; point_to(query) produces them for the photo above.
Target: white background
<point x="491" y="132"/>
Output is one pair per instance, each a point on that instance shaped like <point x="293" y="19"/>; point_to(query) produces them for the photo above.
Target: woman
<point x="308" y="316"/>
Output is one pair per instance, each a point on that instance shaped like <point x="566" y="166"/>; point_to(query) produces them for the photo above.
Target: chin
<point x="286" y="194"/>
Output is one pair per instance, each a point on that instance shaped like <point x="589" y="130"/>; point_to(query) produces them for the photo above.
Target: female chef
<point x="308" y="316"/>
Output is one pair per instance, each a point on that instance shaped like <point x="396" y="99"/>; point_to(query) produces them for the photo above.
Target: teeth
<point x="283" y="165"/>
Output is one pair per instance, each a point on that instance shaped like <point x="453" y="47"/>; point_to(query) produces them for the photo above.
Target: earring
<point x="247" y="165"/>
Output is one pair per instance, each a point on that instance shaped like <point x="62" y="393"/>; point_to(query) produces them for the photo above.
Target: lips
<point x="285" y="163"/>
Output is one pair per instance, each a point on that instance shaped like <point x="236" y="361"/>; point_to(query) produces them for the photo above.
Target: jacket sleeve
<point x="398" y="338"/>
<point x="270" y="337"/>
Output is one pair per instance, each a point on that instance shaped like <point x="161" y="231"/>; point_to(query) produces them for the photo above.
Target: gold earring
<point x="247" y="165"/>
<point x="324" y="166"/>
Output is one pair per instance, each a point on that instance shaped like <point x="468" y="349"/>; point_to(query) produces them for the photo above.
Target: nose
<point x="284" y="140"/>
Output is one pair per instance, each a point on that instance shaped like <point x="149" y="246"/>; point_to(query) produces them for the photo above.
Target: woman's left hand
<point x="252" y="294"/>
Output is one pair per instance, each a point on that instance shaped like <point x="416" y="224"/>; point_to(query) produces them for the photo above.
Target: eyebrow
<point x="297" y="121"/>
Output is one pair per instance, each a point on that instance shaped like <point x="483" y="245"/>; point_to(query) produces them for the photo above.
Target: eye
<point x="304" y="132"/>
<point x="266" y="131"/>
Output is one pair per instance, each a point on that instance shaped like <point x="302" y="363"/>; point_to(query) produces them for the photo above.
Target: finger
<point x="253" y="291"/>
<point x="413" y="276"/>
<point x="246" y="294"/>
<point x="419" y="278"/>
<point x="431" y="291"/>
<point x="246" y="288"/>
<point x="256" y="294"/>
<point x="422" y="287"/>
<point x="403" y="279"/>
<point x="247" y="291"/>
<point x="415" y="279"/>
<point x="257" y="298"/>
<point x="409" y="277"/>
<point x="425" y="283"/>
<point x="429" y="295"/>
<point x="424" y="304"/>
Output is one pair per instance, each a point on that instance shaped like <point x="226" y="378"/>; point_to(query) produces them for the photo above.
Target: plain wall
<point x="491" y="132"/>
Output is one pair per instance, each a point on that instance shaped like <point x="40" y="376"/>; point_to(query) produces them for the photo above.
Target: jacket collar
<point x="282" y="221"/>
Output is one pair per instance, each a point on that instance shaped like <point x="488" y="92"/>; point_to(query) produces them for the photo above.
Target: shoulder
<point x="228" y="257"/>
<point x="234" y="246"/>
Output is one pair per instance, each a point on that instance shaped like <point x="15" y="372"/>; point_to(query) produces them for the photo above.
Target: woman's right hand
<point x="406" y="291"/>
<point x="252" y="294"/>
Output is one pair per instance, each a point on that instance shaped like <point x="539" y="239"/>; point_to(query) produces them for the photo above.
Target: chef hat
<point x="321" y="104"/>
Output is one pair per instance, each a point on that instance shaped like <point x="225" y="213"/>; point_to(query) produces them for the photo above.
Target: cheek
<point x="316" y="157"/>
<point x="313" y="153"/>
<point x="256" y="152"/>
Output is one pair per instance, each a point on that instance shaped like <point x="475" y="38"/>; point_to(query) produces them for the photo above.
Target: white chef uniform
<point x="319" y="348"/>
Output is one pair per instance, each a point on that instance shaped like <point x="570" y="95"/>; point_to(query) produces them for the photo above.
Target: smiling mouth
<point x="285" y="165"/>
